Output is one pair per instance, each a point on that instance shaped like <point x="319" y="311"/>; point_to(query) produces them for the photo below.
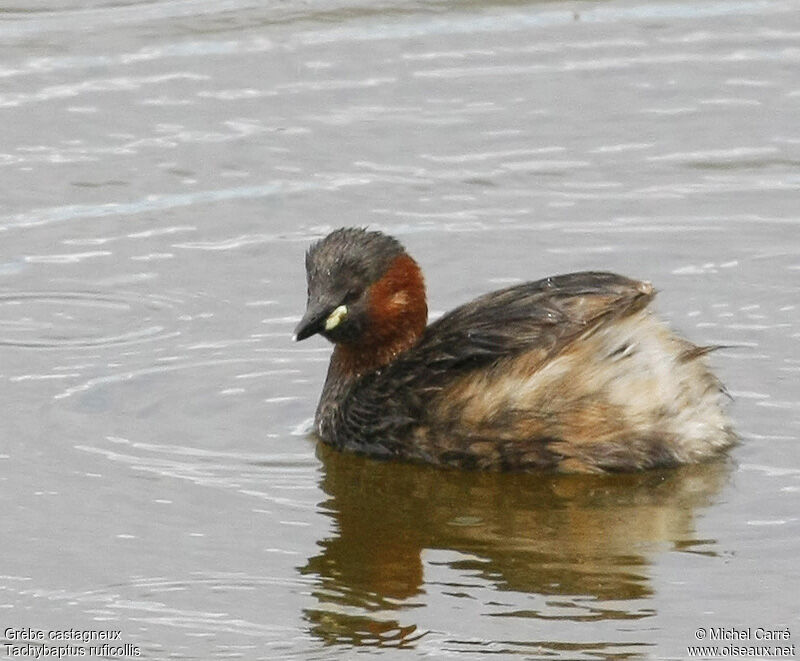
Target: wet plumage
<point x="570" y="373"/>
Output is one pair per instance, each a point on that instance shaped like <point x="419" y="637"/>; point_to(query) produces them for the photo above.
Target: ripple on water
<point x="59" y="319"/>
<point x="245" y="473"/>
<point x="159" y="606"/>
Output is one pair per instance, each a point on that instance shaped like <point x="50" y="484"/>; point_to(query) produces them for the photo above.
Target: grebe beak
<point x="313" y="322"/>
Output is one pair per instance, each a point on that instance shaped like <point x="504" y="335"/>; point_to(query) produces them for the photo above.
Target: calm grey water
<point x="164" y="165"/>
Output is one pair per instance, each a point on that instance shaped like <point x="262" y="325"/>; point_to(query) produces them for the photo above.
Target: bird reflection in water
<point x="588" y="539"/>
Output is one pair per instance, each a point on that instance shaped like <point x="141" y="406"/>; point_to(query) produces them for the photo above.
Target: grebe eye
<point x="351" y="295"/>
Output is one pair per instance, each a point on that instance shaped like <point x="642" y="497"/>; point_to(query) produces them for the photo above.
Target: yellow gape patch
<point x="335" y="317"/>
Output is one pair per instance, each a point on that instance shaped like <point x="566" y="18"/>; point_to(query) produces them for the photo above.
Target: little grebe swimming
<point x="570" y="372"/>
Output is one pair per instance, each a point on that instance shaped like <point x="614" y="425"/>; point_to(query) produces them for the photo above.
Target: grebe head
<point x="363" y="291"/>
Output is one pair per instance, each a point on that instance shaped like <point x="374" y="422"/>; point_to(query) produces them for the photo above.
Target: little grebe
<point x="570" y="372"/>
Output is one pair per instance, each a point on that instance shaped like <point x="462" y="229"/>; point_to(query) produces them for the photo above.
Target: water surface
<point x="166" y="163"/>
